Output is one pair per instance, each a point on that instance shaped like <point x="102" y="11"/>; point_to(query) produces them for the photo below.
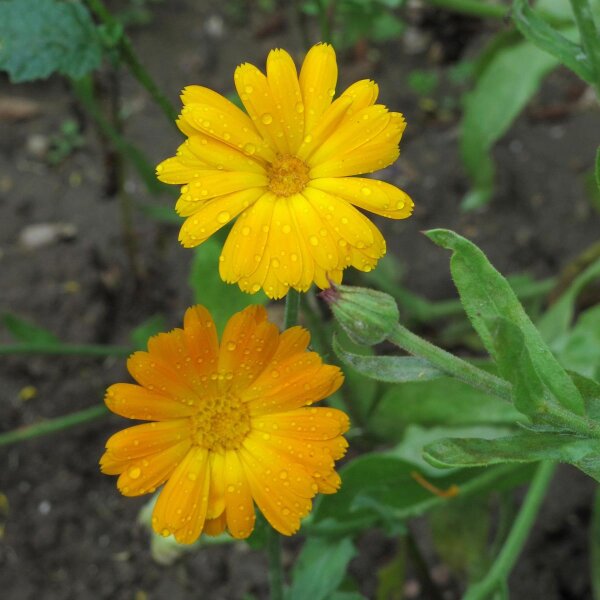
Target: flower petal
<point x="363" y="93"/>
<point x="246" y="242"/>
<point x="144" y="475"/>
<point x="239" y="505"/>
<point x="215" y="527"/>
<point x="292" y="341"/>
<point x="181" y="505"/>
<point x="209" y="217"/>
<point x="216" y="497"/>
<point x="314" y="423"/>
<point x="136" y="402"/>
<point x="285" y="89"/>
<point x="375" y="196"/>
<point x="255" y="93"/>
<point x="318" y="78"/>
<point x="249" y="341"/>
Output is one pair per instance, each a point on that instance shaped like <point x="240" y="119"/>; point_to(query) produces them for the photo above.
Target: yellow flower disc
<point x="286" y="169"/>
<point x="230" y="425"/>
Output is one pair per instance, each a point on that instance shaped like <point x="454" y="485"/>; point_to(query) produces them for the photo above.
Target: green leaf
<point x="27" y="332"/>
<point x="152" y="326"/>
<point x="487" y="296"/>
<point x="221" y="299"/>
<point x="320" y="568"/>
<point x="390" y="369"/>
<point x="445" y="401"/>
<point x="597" y="168"/>
<point x="505" y="86"/>
<point x="525" y="447"/>
<point x="41" y="37"/>
<point x="546" y="37"/>
<point x="555" y="323"/>
<point x="581" y="350"/>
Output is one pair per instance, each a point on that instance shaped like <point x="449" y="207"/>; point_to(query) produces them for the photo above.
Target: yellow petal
<point x="212" y="184"/>
<point x="253" y="88"/>
<point x="182" y="503"/>
<point x="144" y="475"/>
<point x="292" y="341"/>
<point x="216" y="497"/>
<point x="314" y="423"/>
<point x="174" y="170"/>
<point x="213" y="215"/>
<point x="318" y="78"/>
<point x="363" y="93"/>
<point x="215" y="527"/>
<point x="136" y="402"/>
<point x="285" y="89"/>
<point x="239" y="506"/>
<point x="376" y="196"/>
<point x="246" y="242"/>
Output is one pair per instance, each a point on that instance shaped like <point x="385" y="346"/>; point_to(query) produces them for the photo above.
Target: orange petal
<point x="182" y="503"/>
<point x="322" y="423"/>
<point x="214" y="527"/>
<point x="216" y="498"/>
<point x="239" y="506"/>
<point x="135" y="402"/>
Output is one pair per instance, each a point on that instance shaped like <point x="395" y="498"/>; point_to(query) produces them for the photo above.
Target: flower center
<point x="288" y="175"/>
<point x="221" y="423"/>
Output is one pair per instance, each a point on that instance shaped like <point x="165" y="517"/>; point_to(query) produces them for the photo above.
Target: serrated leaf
<point x="41" y="37"/>
<point x="510" y="78"/>
<point x="221" y="299"/>
<point x="390" y="369"/>
<point x="442" y="401"/>
<point x="549" y="39"/>
<point x="27" y="332"/>
<point x="152" y="326"/>
<point x="487" y="297"/>
<point x="320" y="568"/>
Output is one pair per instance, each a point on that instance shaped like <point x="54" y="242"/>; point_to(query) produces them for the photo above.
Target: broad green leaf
<point x="549" y="39"/>
<point x="509" y="80"/>
<point x="390" y="369"/>
<point x="556" y="321"/>
<point x="376" y="482"/>
<point x="590" y="391"/>
<point x="27" y="332"/>
<point x="581" y="351"/>
<point x="320" y="568"/>
<point x="487" y="296"/>
<point x="525" y="447"/>
<point x="221" y="299"/>
<point x="152" y="326"/>
<point x="445" y="401"/>
<point x="41" y="37"/>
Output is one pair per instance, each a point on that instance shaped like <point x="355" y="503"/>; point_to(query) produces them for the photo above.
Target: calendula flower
<point x="286" y="170"/>
<point x="230" y="426"/>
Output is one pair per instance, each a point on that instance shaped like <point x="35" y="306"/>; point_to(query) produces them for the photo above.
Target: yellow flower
<point x="230" y="426"/>
<point x="287" y="170"/>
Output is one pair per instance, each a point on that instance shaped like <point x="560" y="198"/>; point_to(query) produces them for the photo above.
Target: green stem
<point x="292" y="307"/>
<point x="64" y="349"/>
<point x="131" y="60"/>
<point x="275" y="566"/>
<point x="511" y="550"/>
<point x="52" y="425"/>
<point x="457" y="367"/>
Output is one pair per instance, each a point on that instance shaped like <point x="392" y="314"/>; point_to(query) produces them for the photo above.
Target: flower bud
<point x="367" y="316"/>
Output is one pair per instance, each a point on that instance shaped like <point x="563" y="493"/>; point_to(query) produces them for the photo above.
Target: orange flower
<point x="286" y="170"/>
<point x="230" y="426"/>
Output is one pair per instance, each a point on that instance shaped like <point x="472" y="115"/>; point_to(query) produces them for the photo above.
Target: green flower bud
<point x="367" y="316"/>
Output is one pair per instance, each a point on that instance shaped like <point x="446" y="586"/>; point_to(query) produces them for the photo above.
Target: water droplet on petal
<point x="267" y="119"/>
<point x="366" y="191"/>
<point x="314" y="240"/>
<point x="231" y="346"/>
<point x="249" y="148"/>
<point x="134" y="472"/>
<point x="223" y="217"/>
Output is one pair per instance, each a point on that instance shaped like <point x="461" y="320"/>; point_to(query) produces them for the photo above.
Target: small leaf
<point x="506" y="84"/>
<point x="486" y="297"/>
<point x="154" y="325"/>
<point x="40" y="37"/>
<point x="390" y="369"/>
<point x="320" y="568"/>
<point x="27" y="332"/>
<point x="221" y="299"/>
<point x="544" y="36"/>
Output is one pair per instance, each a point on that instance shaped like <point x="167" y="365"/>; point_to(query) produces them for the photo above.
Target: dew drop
<point x="231" y="488"/>
<point x="267" y="119"/>
<point x="246" y="231"/>
<point x="308" y="139"/>
<point x="231" y="346"/>
<point x="255" y="288"/>
<point x="366" y="191"/>
<point x="192" y="476"/>
<point x="223" y="217"/>
<point x="248" y="89"/>
<point x="249" y="148"/>
<point x="283" y="474"/>
<point x="299" y="108"/>
<point x="286" y="229"/>
<point x="314" y="240"/>
<point x="134" y="472"/>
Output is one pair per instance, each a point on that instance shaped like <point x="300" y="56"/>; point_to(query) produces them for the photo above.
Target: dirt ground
<point x="68" y="533"/>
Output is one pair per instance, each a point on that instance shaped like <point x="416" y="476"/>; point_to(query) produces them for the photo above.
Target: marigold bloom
<point x="286" y="168"/>
<point x="230" y="425"/>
